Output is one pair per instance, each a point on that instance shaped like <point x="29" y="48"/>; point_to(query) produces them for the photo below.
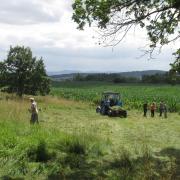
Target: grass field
<point x="133" y="96"/>
<point x="73" y="142"/>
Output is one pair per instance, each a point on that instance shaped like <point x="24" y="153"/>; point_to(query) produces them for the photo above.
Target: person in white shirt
<point x="34" y="112"/>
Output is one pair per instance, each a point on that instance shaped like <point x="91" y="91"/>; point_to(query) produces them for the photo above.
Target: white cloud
<point x="23" y="12"/>
<point x="46" y="26"/>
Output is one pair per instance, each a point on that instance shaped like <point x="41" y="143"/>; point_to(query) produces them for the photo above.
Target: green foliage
<point x="22" y="73"/>
<point x="164" y="78"/>
<point x="133" y="96"/>
<point x="167" y="78"/>
<point x="112" y="77"/>
<point x="176" y="65"/>
<point x="116" y="17"/>
<point x="175" y="68"/>
<point x="161" y="19"/>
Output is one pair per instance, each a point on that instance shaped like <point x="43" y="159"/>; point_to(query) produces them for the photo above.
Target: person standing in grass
<point x="145" y="109"/>
<point x="34" y="112"/>
<point x="153" y="108"/>
<point x="161" y="108"/>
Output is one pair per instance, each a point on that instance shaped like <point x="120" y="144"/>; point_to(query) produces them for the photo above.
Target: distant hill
<point x="68" y="75"/>
<point x="62" y="72"/>
<point x="139" y="74"/>
<point x="62" y="77"/>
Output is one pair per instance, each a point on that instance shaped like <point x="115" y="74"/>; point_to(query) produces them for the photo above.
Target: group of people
<point x="153" y="107"/>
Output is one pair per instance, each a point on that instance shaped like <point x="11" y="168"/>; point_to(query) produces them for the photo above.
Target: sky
<point x="46" y="26"/>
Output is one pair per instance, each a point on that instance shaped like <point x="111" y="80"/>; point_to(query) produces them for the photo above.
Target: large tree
<point x="116" y="17"/>
<point x="22" y="73"/>
<point x="174" y="72"/>
<point x="176" y="65"/>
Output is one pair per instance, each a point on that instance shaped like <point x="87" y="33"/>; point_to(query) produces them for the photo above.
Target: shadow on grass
<point x="80" y="167"/>
<point x="78" y="164"/>
<point x="171" y="152"/>
<point x="163" y="166"/>
<point x="174" y="155"/>
<point x="10" y="178"/>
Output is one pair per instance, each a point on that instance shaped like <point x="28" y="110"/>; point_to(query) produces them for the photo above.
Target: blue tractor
<point x="111" y="105"/>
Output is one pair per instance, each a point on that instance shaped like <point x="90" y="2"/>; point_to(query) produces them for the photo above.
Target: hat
<point x="32" y="99"/>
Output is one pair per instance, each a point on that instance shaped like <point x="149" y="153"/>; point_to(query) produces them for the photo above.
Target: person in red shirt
<point x="152" y="109"/>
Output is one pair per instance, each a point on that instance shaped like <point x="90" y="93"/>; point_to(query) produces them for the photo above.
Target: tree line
<point x="165" y="78"/>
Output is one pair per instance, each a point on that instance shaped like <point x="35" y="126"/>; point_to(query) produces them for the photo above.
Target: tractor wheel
<point x="103" y="111"/>
<point x="110" y="113"/>
<point x="123" y="114"/>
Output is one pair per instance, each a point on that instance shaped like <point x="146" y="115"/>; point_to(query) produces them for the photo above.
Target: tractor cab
<point x="111" y="98"/>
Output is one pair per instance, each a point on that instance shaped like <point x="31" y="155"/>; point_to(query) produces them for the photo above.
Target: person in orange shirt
<point x="152" y="109"/>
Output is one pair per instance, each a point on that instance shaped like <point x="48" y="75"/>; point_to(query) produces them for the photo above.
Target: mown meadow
<point x="73" y="142"/>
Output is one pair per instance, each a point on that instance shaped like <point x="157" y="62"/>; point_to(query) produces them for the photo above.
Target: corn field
<point x="133" y="96"/>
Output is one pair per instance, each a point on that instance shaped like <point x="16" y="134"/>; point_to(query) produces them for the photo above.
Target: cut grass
<point x="72" y="141"/>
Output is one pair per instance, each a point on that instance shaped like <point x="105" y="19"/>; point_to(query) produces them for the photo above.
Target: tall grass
<point x="34" y="151"/>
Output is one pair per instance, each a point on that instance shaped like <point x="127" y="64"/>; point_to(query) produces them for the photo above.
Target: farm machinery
<point x="111" y="105"/>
